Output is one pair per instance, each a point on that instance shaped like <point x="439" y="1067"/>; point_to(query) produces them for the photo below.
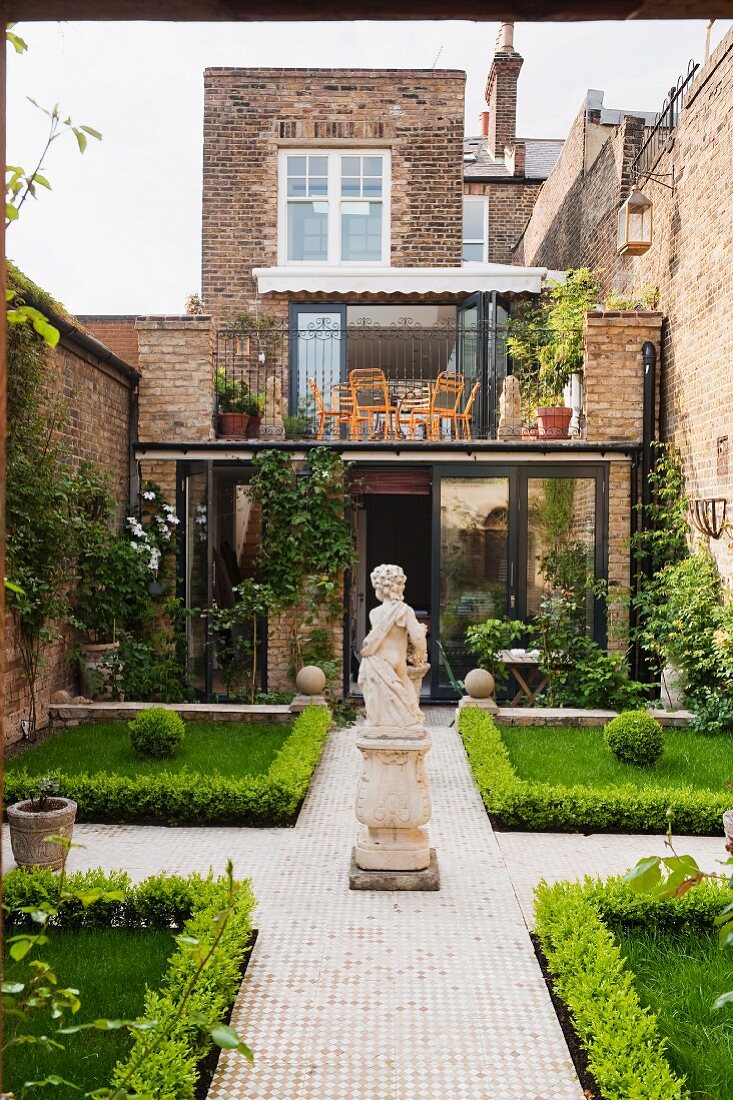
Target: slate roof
<point x="542" y="154"/>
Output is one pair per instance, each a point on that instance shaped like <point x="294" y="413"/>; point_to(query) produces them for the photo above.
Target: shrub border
<point x="515" y="803"/>
<point x="193" y="798"/>
<point x="184" y="904"/>
<point x="574" y="927"/>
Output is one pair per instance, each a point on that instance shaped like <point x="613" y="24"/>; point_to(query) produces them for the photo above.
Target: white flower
<point x="134" y="545"/>
<point x="148" y="495"/>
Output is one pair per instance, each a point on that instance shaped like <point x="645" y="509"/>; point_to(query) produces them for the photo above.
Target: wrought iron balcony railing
<point x="361" y="382"/>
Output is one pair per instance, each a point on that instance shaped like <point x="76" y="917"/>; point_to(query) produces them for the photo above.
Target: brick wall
<point x="690" y="261"/>
<point x="99" y="430"/>
<point x="501" y="97"/>
<point x="613" y="374"/>
<point x="510" y="206"/>
<point x="249" y="114"/>
<point x="177" y="384"/>
<point x="117" y="332"/>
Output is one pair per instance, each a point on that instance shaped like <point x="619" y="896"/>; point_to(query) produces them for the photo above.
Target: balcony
<point x="329" y="382"/>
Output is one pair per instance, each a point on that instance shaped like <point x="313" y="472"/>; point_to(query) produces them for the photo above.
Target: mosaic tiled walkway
<point x="379" y="996"/>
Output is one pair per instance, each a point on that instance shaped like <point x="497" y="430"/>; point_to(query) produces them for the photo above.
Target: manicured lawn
<point x="229" y="749"/>
<point x="110" y="967"/>
<point x="577" y="756"/>
<point x="678" y="976"/>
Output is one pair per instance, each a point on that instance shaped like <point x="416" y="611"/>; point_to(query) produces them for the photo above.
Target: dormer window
<point x="334" y="207"/>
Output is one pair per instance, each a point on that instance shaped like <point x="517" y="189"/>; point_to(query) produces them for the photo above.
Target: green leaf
<point x="80" y="138"/>
<point x="19" y="44"/>
<point x="52" y="1079"/>
<point x="645" y="875"/>
<point x="11" y="212"/>
<point x="38" y="178"/>
<point x="20" y="948"/>
<point x="227" y="1038"/>
<point x="92" y="132"/>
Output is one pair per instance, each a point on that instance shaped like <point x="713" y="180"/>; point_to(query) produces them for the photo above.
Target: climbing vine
<point x="306" y="545"/>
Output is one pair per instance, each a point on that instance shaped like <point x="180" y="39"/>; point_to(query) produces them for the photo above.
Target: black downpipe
<point x="644" y="572"/>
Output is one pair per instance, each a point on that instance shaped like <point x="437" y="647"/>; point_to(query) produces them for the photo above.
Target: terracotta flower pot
<point x="253" y="428"/>
<point x="29" y="829"/>
<point x="233" y="425"/>
<point x="553" y="421"/>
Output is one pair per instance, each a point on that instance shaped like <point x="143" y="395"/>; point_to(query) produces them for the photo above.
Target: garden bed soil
<point x="577" y="1052"/>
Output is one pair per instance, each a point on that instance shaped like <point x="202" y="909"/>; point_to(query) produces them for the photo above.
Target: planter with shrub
<point x="34" y="821"/>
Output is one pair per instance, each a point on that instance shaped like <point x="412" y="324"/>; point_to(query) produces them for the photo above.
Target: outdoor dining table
<point x="524" y="666"/>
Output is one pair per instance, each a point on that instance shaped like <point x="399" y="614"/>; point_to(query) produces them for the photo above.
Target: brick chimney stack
<point x="501" y="92"/>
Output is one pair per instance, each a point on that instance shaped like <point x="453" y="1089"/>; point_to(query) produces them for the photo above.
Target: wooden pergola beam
<point x="248" y="11"/>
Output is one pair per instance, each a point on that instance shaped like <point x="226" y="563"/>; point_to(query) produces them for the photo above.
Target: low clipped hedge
<point x="515" y="803"/>
<point x="187" y="905"/>
<point x="621" y="1039"/>
<point x="191" y="797"/>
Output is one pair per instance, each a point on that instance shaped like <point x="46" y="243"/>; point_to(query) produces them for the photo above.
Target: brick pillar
<point x="177" y="384"/>
<point x="613" y="374"/>
<point x="501" y="96"/>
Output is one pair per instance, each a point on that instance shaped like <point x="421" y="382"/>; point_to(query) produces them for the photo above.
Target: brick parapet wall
<point x="177" y="384"/>
<point x="250" y="114"/>
<point x="117" y="332"/>
<point x="100" y="430"/>
<point x="613" y="374"/>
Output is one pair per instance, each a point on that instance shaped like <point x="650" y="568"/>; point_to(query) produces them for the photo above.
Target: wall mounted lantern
<point x="635" y="224"/>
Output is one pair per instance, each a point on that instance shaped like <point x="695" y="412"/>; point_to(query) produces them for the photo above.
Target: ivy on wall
<point x="306" y="546"/>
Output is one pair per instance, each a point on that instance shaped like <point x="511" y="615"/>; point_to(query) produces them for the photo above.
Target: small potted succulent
<point x="234" y="402"/>
<point x="35" y="822"/>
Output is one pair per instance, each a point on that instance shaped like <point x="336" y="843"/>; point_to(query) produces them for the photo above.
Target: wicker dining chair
<point x="370" y="400"/>
<point x="463" y="419"/>
<point x="444" y="403"/>
<point x="338" y="414"/>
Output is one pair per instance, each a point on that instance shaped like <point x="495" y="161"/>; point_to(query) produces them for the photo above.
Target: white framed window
<point x="475" y="229"/>
<point x="334" y="206"/>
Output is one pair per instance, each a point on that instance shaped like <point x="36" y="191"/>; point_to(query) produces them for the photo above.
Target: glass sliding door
<point x="474" y="537"/>
<point x="318" y="358"/>
<point x="195" y="486"/>
<point x="564" y="517"/>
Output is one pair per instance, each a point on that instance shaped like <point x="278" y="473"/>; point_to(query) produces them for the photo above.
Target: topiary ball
<point x="156" y="732"/>
<point x="634" y="737"/>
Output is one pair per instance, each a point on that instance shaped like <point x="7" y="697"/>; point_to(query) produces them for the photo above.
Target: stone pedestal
<point x="393" y="805"/>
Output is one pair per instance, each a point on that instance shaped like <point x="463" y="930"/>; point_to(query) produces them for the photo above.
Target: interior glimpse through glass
<point x="561" y="539"/>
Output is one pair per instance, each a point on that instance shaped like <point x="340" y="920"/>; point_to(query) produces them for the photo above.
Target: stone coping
<point x="571" y="716"/>
<point x="71" y="714"/>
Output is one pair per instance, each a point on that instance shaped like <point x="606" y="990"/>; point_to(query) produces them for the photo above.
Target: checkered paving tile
<point x="379" y="996"/>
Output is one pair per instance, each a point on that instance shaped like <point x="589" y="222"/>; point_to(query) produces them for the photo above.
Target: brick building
<point x="689" y="179"/>
<point x="348" y="224"/>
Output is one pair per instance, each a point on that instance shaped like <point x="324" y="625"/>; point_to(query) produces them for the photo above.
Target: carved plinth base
<point x="392" y="805"/>
<point x="429" y="879"/>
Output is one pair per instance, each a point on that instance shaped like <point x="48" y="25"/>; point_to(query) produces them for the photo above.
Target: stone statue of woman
<point x="393" y="660"/>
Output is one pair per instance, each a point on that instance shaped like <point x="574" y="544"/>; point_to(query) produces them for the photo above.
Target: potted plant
<point x="545" y="342"/>
<point x="34" y="823"/>
<point x="233" y="401"/>
<point x="256" y="410"/>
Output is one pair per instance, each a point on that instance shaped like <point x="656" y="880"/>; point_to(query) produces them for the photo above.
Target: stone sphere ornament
<point x="479" y="683"/>
<point x="311" y="680"/>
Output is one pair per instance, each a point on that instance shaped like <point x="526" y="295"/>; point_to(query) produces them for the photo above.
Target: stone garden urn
<point x="30" y="826"/>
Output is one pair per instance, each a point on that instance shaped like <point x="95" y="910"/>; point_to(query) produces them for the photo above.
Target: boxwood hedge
<point x="189" y="905"/>
<point x="575" y="924"/>
<point x="201" y="799"/>
<point x="515" y="803"/>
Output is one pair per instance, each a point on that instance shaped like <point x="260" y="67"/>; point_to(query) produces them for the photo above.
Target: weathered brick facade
<point x="116" y="331"/>
<point x="100" y="429"/>
<point x="250" y="114"/>
<point x="690" y="261"/>
<point x="510" y="206"/>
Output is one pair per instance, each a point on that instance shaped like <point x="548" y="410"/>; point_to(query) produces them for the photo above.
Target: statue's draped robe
<point x="389" y="698"/>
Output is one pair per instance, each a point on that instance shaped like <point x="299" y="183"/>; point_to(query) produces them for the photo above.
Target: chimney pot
<point x="484" y="123"/>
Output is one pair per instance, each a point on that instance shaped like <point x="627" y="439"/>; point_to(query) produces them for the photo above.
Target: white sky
<point x="120" y="231"/>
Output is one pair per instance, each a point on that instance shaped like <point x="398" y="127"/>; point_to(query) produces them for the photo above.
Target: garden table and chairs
<point x="524" y="666"/>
